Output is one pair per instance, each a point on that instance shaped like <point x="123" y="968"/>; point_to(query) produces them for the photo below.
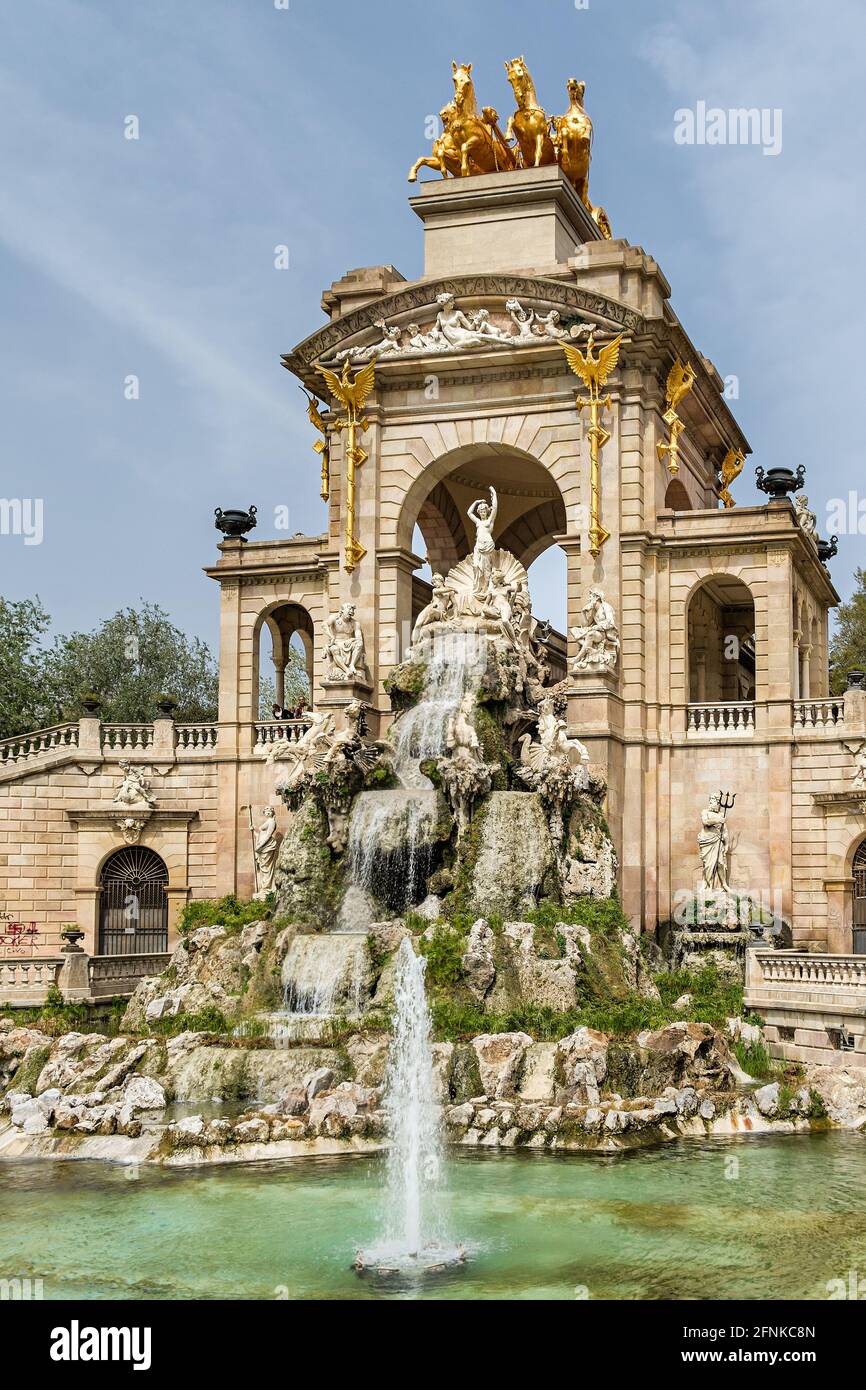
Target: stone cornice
<point x="89" y="815"/>
<point x="842" y="802"/>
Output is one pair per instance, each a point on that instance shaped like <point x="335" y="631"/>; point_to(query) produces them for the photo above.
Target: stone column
<point x="805" y="673"/>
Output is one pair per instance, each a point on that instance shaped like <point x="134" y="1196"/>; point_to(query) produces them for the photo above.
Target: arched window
<point x="721" y="642"/>
<point x="860" y="900"/>
<point x="676" y="497"/>
<point x="133" y="909"/>
<point x="285" y="660"/>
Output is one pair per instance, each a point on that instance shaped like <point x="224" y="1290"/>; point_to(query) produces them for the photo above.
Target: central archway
<point x="532" y="511"/>
<point x="532" y="518"/>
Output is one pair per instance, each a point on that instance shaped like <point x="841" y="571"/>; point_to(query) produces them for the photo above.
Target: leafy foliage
<point x="25" y="702"/>
<point x="848" y="647"/>
<point x="228" y="912"/>
<point x="131" y="659"/>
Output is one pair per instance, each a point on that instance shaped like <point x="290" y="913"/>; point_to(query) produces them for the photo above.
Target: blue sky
<point x="261" y="126"/>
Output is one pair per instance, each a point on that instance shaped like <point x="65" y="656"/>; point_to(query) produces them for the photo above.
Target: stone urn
<point x="827" y="549"/>
<point x="856" y="679"/>
<point x="166" y="704"/>
<point x="234" y="524"/>
<point x="91" y="703"/>
<point x="778" y="482"/>
<point x="71" y="936"/>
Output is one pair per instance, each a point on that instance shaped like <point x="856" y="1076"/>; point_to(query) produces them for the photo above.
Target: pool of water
<point x="759" y="1218"/>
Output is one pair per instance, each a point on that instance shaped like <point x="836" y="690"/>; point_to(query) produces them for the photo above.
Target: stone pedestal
<point x="338" y="694"/>
<point x="594" y="704"/>
<point x="74" y="978"/>
<point x="496" y="222"/>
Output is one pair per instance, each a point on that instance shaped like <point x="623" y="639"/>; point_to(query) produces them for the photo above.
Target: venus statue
<point x="484" y="517"/>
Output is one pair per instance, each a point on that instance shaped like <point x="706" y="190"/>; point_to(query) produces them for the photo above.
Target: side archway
<point x="859" y="914"/>
<point x="133" y="902"/>
<point x="720" y="625"/>
<point x="284" y="641"/>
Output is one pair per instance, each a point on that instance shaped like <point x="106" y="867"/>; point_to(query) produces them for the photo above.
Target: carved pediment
<point x="418" y="304"/>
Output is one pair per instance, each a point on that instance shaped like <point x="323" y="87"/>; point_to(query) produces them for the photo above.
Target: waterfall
<point x="323" y="974"/>
<point x="415" y="1175"/>
<point x="457" y="661"/>
<point x="389" y="854"/>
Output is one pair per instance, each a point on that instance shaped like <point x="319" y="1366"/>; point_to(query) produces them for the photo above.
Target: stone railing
<point x="195" y="738"/>
<point x="805" y="982"/>
<point x="113" y="977"/>
<point x="27" y="981"/>
<point x="273" y="730"/>
<point x="127" y="738"/>
<point x="26" y="746"/>
<point x="819" y="716"/>
<point x="721" y="720"/>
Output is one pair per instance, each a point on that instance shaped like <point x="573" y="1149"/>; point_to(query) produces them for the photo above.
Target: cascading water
<point x="413" y="1238"/>
<point x="391" y="833"/>
<point x="389" y="854"/>
<point x="324" y="973"/>
<point x="420" y="732"/>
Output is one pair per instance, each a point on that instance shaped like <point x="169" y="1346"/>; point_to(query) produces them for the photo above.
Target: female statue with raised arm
<point x="483" y="516"/>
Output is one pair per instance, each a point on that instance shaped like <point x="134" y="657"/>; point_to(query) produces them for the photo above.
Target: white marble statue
<point x="598" y="639"/>
<point x="547" y="326"/>
<point x="344" y="650"/>
<point x="265" y="848"/>
<point x="859" y="783"/>
<point x="305" y="754"/>
<point x="807" y="519"/>
<point x="457" y="330"/>
<point x="388" y="344"/>
<point x="483" y="515"/>
<point x="523" y="319"/>
<point x="464" y="773"/>
<point x="439" y="610"/>
<point x="134" y="789"/>
<point x="556" y="766"/>
<point x="714" y="846"/>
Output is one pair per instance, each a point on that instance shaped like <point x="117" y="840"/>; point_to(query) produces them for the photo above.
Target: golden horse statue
<point x="530" y="124"/>
<point x="445" y="154"/>
<point x="471" y="142"/>
<point x="572" y="144"/>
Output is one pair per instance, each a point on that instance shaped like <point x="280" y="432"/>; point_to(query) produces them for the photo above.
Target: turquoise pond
<point x="759" y="1218"/>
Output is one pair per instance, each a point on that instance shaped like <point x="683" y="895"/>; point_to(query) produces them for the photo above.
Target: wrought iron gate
<point x="133" y="914"/>
<point x="860" y="901"/>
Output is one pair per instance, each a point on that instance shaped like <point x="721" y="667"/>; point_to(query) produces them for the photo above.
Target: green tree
<point x="131" y="659"/>
<point x="25" y="701"/>
<point x="296" y="683"/>
<point x="848" y="647"/>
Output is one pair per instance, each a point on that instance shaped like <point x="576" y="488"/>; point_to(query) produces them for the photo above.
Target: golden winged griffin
<point x="350" y="393"/>
<point x="594" y="371"/>
<point x="471" y="141"/>
<point x="681" y="379"/>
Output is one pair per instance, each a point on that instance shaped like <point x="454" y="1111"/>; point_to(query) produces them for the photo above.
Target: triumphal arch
<point x="536" y="364"/>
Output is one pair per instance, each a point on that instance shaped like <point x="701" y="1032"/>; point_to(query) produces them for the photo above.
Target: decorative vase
<point x="234" y="524"/>
<point x="778" y="482"/>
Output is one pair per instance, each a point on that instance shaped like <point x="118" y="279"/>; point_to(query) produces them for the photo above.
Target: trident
<point x="726" y="801"/>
